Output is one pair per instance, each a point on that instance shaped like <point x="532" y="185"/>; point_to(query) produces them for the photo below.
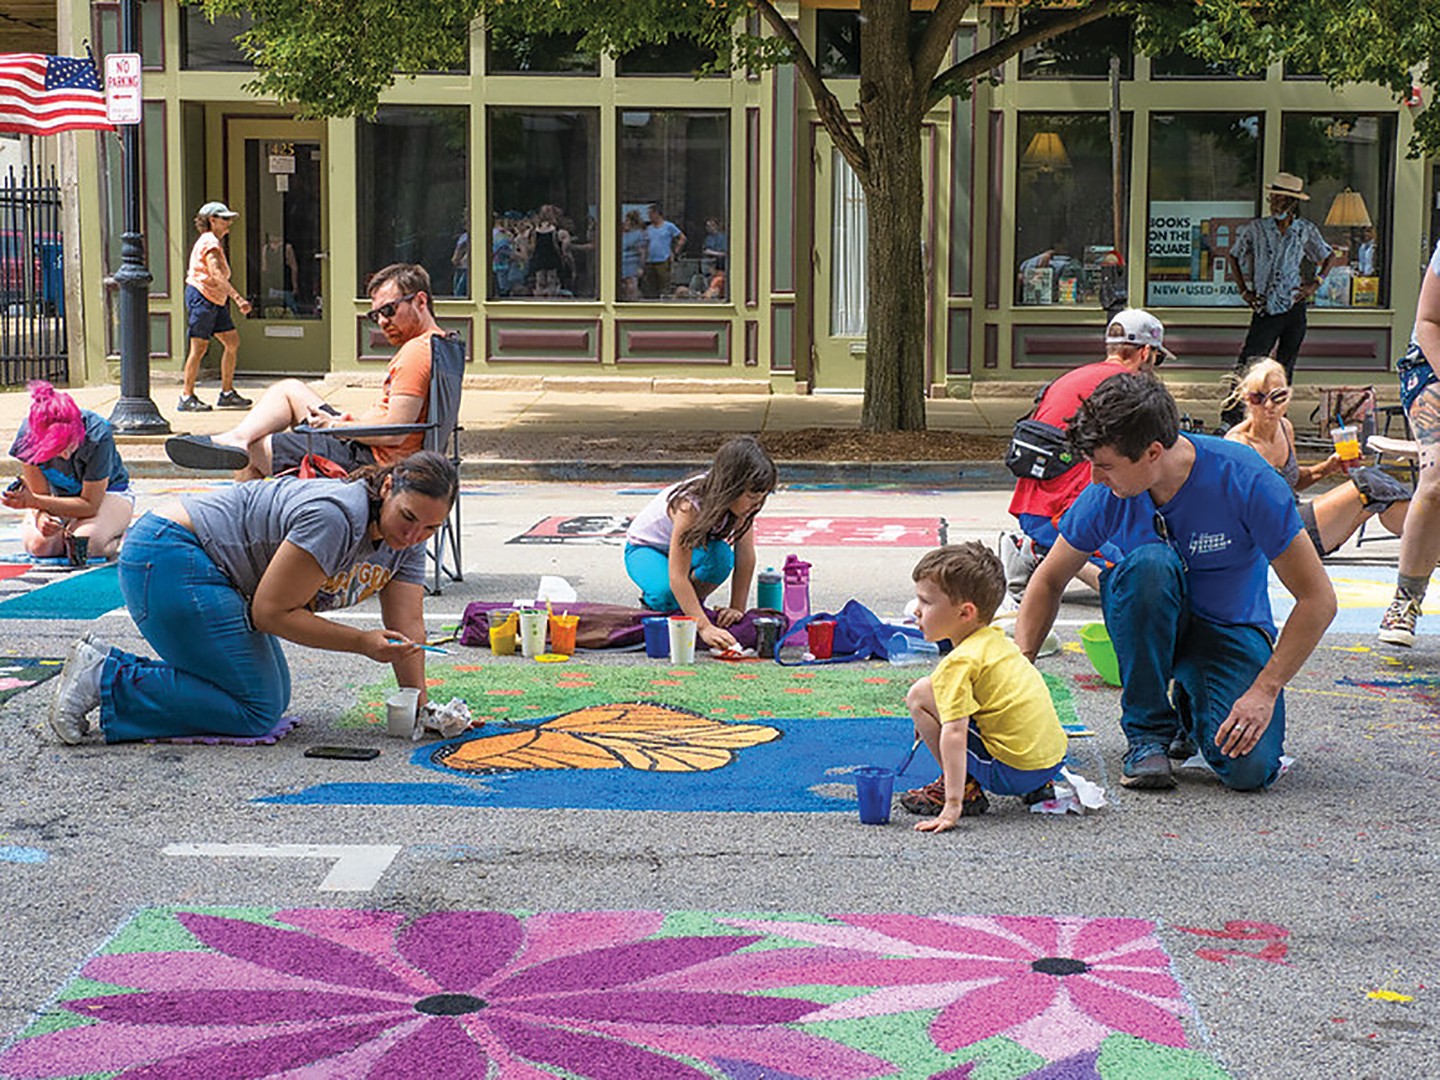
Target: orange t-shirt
<point x="407" y="376"/>
<point x="200" y="274"/>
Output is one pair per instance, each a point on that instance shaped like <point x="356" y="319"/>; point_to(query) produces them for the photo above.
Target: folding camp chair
<point x="442" y="434"/>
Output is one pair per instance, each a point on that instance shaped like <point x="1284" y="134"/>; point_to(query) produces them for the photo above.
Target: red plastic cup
<point x="820" y="636"/>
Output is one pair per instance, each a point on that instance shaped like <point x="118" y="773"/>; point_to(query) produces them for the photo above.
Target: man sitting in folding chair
<point x="262" y="444"/>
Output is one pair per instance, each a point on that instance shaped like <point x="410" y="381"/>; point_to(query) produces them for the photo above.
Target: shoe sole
<point x="1397" y="637"/>
<point x="247" y="405"/>
<point x="188" y="453"/>
<point x="1148" y="782"/>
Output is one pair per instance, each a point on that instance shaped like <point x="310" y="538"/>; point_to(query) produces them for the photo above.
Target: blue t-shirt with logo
<point x="1230" y="519"/>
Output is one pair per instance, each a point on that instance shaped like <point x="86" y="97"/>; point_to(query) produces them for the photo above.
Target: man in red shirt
<point x="1134" y="341"/>
<point x="262" y="444"/>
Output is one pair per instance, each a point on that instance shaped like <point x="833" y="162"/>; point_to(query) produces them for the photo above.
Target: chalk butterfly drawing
<point x="634" y="735"/>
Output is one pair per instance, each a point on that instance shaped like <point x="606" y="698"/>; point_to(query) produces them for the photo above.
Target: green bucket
<point x="1101" y="651"/>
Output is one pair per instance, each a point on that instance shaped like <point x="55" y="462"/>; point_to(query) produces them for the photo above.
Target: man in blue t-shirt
<point x="1199" y="520"/>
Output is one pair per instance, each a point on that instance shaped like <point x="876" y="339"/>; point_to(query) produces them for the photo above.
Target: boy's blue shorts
<point x="998" y="778"/>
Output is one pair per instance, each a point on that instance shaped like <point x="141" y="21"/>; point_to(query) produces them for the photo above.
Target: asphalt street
<point x="1338" y="860"/>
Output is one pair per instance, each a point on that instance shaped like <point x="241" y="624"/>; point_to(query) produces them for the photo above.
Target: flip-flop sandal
<point x="203" y="452"/>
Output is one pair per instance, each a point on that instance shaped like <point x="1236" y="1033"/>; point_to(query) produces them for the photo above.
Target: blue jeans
<point x="217" y="675"/>
<point x="649" y="568"/>
<point x="1158" y="638"/>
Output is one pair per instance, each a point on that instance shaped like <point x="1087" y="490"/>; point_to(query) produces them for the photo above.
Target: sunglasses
<point x="1162" y="530"/>
<point x="1275" y="397"/>
<point x="387" y="311"/>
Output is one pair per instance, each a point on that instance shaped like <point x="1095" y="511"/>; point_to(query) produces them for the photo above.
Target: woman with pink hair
<point x="72" y="483"/>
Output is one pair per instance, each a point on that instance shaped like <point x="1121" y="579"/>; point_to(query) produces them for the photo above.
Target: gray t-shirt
<point x="242" y="527"/>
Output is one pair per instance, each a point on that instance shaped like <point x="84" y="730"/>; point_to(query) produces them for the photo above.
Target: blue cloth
<point x="96" y="458"/>
<point x="649" y="568"/>
<point x="1270" y="259"/>
<point x="216" y="676"/>
<point x="206" y="319"/>
<point x="997" y="777"/>
<point x="1159" y="636"/>
<point x="1042" y="530"/>
<point x="660" y="241"/>
<point x="1233" y="516"/>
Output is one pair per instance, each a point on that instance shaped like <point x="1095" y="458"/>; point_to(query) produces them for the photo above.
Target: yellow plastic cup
<point x="1347" y="442"/>
<point x="503" y="635"/>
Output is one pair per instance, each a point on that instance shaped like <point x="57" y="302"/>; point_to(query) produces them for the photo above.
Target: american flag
<point x="40" y="95"/>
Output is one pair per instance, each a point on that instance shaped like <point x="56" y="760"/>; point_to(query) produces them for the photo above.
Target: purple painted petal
<point x="769" y="1048"/>
<point x="194" y="971"/>
<point x="263" y="1057"/>
<point x="202" y="1008"/>
<point x="741" y="1070"/>
<point x="959" y="1072"/>
<point x="296" y="953"/>
<point x="1082" y="1066"/>
<point x="102" y="1048"/>
<point x="991" y="1010"/>
<point x="757" y="970"/>
<point x="441" y="1048"/>
<point x="552" y="934"/>
<point x="1125" y="1012"/>
<point x="460" y="950"/>
<point x="877" y="972"/>
<point x="638" y="1006"/>
<point x="371" y="932"/>
<point x="1102" y="936"/>
<point x="588" y="1055"/>
<point x="601" y="969"/>
<point x="939" y="934"/>
<point x="1040" y="932"/>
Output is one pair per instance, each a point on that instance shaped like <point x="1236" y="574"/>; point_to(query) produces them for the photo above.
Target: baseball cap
<point x="216" y="209"/>
<point x="1135" y="326"/>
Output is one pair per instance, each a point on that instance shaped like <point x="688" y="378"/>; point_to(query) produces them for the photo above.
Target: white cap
<point x="217" y="209"/>
<point x="1135" y="326"/>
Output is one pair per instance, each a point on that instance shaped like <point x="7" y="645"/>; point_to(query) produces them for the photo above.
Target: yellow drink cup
<point x="1347" y="443"/>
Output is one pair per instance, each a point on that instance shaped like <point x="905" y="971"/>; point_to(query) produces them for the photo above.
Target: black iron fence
<point x="32" y="279"/>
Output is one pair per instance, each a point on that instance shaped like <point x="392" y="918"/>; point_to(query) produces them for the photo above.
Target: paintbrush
<point x="909" y="757"/>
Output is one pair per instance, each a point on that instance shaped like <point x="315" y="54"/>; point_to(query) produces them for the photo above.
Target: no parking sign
<point x="122" y="88"/>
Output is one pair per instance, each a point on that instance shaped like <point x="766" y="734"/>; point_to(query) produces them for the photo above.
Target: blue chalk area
<point x="773" y="777"/>
<point x="10" y="853"/>
<point x="82" y="596"/>
<point x="1354" y="618"/>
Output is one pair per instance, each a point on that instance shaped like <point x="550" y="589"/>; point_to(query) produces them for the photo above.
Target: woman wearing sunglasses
<point x="1332" y="517"/>
<point x="262" y="444"/>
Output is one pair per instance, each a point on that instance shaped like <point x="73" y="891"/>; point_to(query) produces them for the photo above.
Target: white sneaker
<point x="78" y="691"/>
<point x="1017" y="556"/>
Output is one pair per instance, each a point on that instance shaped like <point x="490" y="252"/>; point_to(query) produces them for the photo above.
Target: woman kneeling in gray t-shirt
<point x="213" y="580"/>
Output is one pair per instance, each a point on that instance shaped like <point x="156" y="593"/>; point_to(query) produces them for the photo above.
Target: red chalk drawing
<point x="1273" y="952"/>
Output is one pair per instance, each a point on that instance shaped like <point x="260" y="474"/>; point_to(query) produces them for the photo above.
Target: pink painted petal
<point x="1100" y="937"/>
<point x="771" y="1048"/>
<point x="886" y="1002"/>
<point x="1153" y="983"/>
<point x="441" y="1048"/>
<point x="762" y="970"/>
<point x="245" y="1007"/>
<point x="292" y="952"/>
<point x="102" y="1048"/>
<point x="1042" y="933"/>
<point x="991" y="1010"/>
<point x="638" y="1006"/>
<point x="357" y="1062"/>
<point x="370" y="932"/>
<point x="830" y="935"/>
<point x="622" y="965"/>
<point x="1125" y="1012"/>
<point x="553" y="934"/>
<point x="941" y="935"/>
<point x="261" y="1057"/>
<point x="460" y="950"/>
<point x="589" y="1055"/>
<point x="196" y="971"/>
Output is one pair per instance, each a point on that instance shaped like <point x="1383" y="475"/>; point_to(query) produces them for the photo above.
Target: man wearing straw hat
<point x="1265" y="263"/>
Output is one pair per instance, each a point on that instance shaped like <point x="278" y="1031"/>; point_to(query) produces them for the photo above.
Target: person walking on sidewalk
<point x="208" y="293"/>
<point x="1200" y="521"/>
<point x="1265" y="262"/>
<point x="262" y="444"/>
<point x="1134" y="341"/>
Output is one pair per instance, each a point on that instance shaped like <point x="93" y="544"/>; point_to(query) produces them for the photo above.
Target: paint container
<point x="874" y="788"/>
<point x="401" y="708"/>
<point x="682" y="639"/>
<point x="77" y="550"/>
<point x="504" y="625"/>
<point x="820" y="636"/>
<point x="532" y="632"/>
<point x="657" y="636"/>
<point x="769" y="589"/>
<point x="903" y="650"/>
<point x="767" y="636"/>
<point x="562" y="633"/>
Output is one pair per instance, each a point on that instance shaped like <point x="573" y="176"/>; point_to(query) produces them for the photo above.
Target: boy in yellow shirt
<point x="985" y="712"/>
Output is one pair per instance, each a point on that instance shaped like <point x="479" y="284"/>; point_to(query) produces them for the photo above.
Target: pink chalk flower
<point x="349" y="994"/>
<point x="1057" y="986"/>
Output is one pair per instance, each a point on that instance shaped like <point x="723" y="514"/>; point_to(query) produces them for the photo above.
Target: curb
<point x="971" y="475"/>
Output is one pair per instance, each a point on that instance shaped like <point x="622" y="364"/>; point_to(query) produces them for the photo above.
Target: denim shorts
<point x="998" y="778"/>
<point x="206" y="319"/>
<point x="1415" y="375"/>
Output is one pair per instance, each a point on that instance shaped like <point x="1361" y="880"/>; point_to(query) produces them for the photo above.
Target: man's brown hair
<point x="408" y="278"/>
<point x="968" y="571"/>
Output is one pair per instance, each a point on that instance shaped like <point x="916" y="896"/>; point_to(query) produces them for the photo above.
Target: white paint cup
<point x="682" y="639"/>
<point x="400" y="710"/>
<point x="532" y="632"/>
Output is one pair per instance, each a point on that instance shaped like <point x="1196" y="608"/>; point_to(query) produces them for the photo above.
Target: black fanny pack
<point x="1038" y="451"/>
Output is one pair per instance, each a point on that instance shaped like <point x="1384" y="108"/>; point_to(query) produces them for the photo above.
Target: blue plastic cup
<point x="657" y="636"/>
<point x="874" y="787"/>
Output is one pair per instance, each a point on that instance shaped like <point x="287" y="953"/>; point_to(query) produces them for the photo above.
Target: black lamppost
<point x="134" y="413"/>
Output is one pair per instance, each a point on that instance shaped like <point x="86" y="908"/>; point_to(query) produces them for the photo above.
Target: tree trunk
<point x="894" y="205"/>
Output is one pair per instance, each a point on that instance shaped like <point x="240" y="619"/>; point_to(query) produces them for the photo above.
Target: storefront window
<point x="538" y="54"/>
<point x="413" y="168"/>
<point x="1182" y="65"/>
<point x="674" y="193"/>
<point x="678" y="56"/>
<point x="544" y="192"/>
<point x="1204" y="185"/>
<point x="1347" y="162"/>
<point x="1083" y="53"/>
<point x="1064" y="207"/>
<point x="207" y="46"/>
<point x="837" y="41"/>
